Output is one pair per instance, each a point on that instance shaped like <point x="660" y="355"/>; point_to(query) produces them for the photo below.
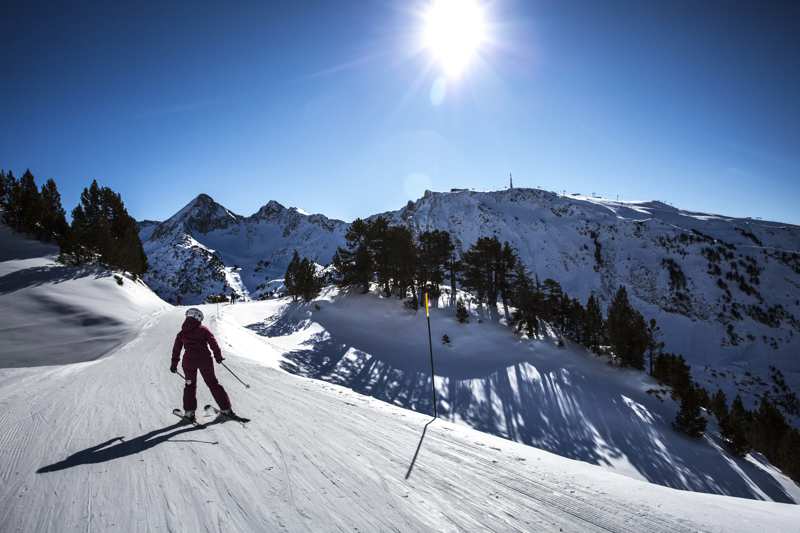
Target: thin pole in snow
<point x="234" y="375"/>
<point x="430" y="348"/>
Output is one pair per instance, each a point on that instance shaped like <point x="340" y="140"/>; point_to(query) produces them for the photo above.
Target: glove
<point x="173" y="369"/>
<point x="219" y="359"/>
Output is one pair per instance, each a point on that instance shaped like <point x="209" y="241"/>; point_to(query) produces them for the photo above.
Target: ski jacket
<point x="196" y="338"/>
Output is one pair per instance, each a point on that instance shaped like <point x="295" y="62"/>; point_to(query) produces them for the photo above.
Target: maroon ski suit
<point x="196" y="339"/>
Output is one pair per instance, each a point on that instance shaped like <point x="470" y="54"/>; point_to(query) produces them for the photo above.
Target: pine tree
<point x="505" y="271"/>
<point x="355" y="263"/>
<point x="434" y="255"/>
<point x="552" y="295"/>
<point x="461" y="312"/>
<point x="593" y="325"/>
<point x="7" y="199"/>
<point x="719" y="405"/>
<point x="308" y="283"/>
<point x="689" y="419"/>
<point x="788" y="458"/>
<point x="380" y="252"/>
<point x="454" y="265"/>
<point x="103" y="230"/>
<point x="53" y="220"/>
<point x="290" y="280"/>
<point x="3" y="189"/>
<point x="25" y="205"/>
<point x="734" y="428"/>
<point x="482" y="270"/>
<point x="402" y="268"/>
<point x="767" y="428"/>
<point x="672" y="370"/>
<point x="627" y="331"/>
<point x="528" y="301"/>
<point x="654" y="345"/>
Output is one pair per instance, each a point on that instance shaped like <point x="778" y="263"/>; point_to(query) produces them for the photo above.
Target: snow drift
<point x="563" y="400"/>
<point x="56" y="314"/>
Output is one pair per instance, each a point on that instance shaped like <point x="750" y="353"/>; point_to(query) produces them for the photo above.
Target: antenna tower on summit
<point x="510" y="181"/>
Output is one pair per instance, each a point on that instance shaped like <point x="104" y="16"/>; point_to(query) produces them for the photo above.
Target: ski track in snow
<point x="316" y="457"/>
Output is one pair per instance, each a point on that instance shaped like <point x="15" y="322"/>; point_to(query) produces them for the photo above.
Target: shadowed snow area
<point x="53" y="314"/>
<point x="564" y="400"/>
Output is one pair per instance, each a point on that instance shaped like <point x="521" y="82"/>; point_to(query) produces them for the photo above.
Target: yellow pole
<point x="430" y="347"/>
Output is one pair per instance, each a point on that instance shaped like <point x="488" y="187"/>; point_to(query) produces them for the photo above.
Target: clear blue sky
<point x="328" y="105"/>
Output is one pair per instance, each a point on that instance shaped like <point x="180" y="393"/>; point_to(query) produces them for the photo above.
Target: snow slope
<point x="725" y="291"/>
<point x="55" y="314"/>
<point x="92" y="446"/>
<point x="563" y="400"/>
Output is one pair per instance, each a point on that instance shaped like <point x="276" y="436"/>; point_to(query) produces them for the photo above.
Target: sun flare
<point x="454" y="31"/>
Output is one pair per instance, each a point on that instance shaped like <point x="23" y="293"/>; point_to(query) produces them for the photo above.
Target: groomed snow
<point x="315" y="457"/>
<point x="92" y="446"/>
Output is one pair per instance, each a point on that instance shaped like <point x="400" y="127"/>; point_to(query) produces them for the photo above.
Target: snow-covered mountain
<point x="205" y="249"/>
<point x="725" y="291"/>
<point x="89" y="442"/>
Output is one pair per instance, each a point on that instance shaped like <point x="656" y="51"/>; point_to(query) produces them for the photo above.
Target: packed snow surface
<point x="92" y="445"/>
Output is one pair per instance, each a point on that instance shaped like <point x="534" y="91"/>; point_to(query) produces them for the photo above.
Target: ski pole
<point x="234" y="374"/>
<point x="181" y="375"/>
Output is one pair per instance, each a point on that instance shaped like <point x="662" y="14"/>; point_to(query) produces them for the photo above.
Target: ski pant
<point x="190" y="390"/>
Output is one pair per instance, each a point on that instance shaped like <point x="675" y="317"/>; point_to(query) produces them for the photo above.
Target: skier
<point x="196" y="339"/>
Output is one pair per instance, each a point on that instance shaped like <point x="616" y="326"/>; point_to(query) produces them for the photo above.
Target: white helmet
<point x="195" y="313"/>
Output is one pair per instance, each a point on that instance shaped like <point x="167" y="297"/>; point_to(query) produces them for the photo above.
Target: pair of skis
<point x="210" y="409"/>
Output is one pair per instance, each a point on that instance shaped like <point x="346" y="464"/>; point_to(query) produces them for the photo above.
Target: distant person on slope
<point x="196" y="338"/>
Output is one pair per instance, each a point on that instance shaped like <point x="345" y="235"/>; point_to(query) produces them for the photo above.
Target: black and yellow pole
<point x="430" y="348"/>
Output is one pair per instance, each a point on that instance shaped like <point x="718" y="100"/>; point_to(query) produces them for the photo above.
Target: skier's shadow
<point x="108" y="451"/>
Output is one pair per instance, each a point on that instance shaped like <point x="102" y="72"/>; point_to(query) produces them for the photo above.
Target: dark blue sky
<point x="332" y="107"/>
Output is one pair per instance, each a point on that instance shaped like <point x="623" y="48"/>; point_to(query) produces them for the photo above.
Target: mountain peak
<point x="202" y="214"/>
<point x="270" y="210"/>
<point x="203" y="198"/>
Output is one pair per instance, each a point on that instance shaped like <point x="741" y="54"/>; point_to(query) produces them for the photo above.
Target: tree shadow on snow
<point x="108" y="450"/>
<point x="536" y="401"/>
<point x="40" y="275"/>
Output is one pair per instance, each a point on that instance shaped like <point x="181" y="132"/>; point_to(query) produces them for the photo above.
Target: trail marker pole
<point x="430" y="348"/>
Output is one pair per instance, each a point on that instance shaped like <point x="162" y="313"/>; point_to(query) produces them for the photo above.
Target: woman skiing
<point x="196" y="339"/>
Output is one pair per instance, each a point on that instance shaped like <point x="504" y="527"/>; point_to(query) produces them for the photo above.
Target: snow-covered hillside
<point x="92" y="445"/>
<point x="725" y="291"/>
<point x="205" y="250"/>
<point x="563" y="400"/>
<point x="57" y="314"/>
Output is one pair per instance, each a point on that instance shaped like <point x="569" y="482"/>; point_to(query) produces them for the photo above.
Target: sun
<point x="453" y="33"/>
